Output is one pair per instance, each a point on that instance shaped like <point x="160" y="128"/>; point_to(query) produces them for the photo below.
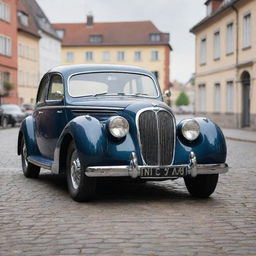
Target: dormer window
<point x="23" y="18"/>
<point x="209" y="8"/>
<point x="155" y="37"/>
<point x="60" y="33"/>
<point x="95" y="38"/>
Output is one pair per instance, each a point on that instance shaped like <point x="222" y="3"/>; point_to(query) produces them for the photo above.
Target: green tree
<point x="182" y="100"/>
<point x="7" y="87"/>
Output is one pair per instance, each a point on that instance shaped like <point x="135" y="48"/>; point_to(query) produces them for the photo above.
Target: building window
<point x="154" y="55"/>
<point x="202" y="98"/>
<point x="5" y="13"/>
<point x="95" y="38"/>
<point x="217" y="99"/>
<point x="137" y="56"/>
<point x="60" y="33"/>
<point x="5" y="45"/>
<point x="247" y="31"/>
<point x="70" y="57"/>
<point x="203" y="51"/>
<point x="120" y="56"/>
<point x="106" y="56"/>
<point x="89" y="56"/>
<point x="155" y="37"/>
<point x="23" y="18"/>
<point x="216" y="45"/>
<point x="230" y="38"/>
<point x="4" y="77"/>
<point x="209" y="8"/>
<point x="230" y="96"/>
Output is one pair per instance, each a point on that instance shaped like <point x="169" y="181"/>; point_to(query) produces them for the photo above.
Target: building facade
<point x="226" y="63"/>
<point x="129" y="43"/>
<point x="8" y="51"/>
<point x="28" y="54"/>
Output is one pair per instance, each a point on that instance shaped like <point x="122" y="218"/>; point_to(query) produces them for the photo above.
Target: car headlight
<point x="118" y="126"/>
<point x="190" y="129"/>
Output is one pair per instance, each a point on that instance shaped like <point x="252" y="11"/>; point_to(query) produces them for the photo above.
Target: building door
<point x="246" y="82"/>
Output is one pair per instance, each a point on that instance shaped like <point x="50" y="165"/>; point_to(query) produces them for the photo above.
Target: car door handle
<point x="59" y="111"/>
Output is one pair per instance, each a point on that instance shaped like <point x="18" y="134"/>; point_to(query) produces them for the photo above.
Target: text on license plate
<point x="163" y="172"/>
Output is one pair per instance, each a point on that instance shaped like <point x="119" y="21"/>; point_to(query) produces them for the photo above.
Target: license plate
<point x="163" y="172"/>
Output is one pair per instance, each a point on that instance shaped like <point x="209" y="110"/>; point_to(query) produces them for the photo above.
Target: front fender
<point x="94" y="144"/>
<point x="27" y="130"/>
<point x="209" y="147"/>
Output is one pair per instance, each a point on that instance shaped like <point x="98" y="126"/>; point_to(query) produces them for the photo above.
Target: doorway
<point x="246" y="83"/>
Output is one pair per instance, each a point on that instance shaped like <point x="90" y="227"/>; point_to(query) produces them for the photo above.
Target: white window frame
<point x="230" y="97"/>
<point x="202" y="97"/>
<point x="88" y="56"/>
<point x="120" y="56"/>
<point x="155" y="55"/>
<point x="203" y="50"/>
<point x="5" y="12"/>
<point x="5" y="45"/>
<point x="137" y="56"/>
<point x="216" y="45"/>
<point x="247" y="30"/>
<point x="70" y="56"/>
<point x="217" y="97"/>
<point x="230" y="38"/>
<point x="106" y="56"/>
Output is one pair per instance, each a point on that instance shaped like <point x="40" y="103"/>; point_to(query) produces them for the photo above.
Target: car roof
<point x="71" y="69"/>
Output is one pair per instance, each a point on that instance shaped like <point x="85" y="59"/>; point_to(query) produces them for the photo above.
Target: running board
<point x="41" y="161"/>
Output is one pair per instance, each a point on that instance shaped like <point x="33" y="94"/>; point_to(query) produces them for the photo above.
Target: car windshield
<point x="11" y="108"/>
<point x="112" y="84"/>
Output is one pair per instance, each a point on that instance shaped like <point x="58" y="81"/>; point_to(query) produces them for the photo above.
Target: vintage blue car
<point x="93" y="121"/>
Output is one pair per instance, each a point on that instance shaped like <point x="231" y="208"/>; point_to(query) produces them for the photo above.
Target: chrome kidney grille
<point x="156" y="129"/>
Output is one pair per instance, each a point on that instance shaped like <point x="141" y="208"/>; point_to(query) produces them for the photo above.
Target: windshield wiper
<point x="138" y="94"/>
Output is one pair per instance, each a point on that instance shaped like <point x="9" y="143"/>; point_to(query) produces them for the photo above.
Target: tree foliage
<point x="182" y="100"/>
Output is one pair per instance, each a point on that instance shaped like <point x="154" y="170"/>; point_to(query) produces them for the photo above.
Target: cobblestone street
<point x="38" y="217"/>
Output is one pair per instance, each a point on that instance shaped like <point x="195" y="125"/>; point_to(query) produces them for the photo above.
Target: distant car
<point x="27" y="109"/>
<point x="94" y="121"/>
<point x="10" y="114"/>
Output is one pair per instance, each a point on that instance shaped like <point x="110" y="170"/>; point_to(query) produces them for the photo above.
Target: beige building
<point x="226" y="63"/>
<point x="28" y="55"/>
<point x="125" y="43"/>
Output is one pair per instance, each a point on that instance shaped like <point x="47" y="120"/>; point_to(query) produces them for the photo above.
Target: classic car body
<point x="119" y="127"/>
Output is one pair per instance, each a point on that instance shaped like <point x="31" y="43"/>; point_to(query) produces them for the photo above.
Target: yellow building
<point x="226" y="63"/>
<point x="129" y="43"/>
<point x="28" y="55"/>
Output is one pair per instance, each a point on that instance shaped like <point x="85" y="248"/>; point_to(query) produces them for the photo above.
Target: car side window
<point x="42" y="90"/>
<point x="56" y="88"/>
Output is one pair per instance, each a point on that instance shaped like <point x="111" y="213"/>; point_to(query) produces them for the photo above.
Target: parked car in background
<point x="27" y="109"/>
<point x="10" y="114"/>
<point x="94" y="121"/>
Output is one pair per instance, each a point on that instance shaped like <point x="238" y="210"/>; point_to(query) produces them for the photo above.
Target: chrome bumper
<point x="134" y="170"/>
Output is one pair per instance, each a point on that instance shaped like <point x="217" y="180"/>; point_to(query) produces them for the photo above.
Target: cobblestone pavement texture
<point x="37" y="217"/>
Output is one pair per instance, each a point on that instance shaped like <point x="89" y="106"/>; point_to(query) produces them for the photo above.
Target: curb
<point x="241" y="140"/>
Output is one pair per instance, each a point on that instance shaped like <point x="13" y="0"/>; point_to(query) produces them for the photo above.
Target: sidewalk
<point x="240" y="135"/>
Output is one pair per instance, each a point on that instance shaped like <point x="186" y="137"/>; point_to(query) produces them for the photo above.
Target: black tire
<point x="81" y="188"/>
<point x="29" y="170"/>
<point x="201" y="186"/>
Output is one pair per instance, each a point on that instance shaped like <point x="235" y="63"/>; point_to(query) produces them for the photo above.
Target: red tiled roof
<point x="113" y="33"/>
<point x="32" y="27"/>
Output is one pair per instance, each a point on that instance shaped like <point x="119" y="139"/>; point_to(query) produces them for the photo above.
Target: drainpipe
<point x="237" y="62"/>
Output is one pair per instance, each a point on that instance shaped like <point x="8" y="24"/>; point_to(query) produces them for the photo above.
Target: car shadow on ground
<point x="121" y="190"/>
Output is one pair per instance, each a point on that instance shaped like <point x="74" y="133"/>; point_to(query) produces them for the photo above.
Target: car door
<point x="51" y="116"/>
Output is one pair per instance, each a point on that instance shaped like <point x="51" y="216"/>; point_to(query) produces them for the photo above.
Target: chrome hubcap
<point x="75" y="172"/>
<point x="24" y="155"/>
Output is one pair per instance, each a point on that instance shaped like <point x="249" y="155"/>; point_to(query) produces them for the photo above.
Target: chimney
<point x="89" y="22"/>
<point x="213" y="5"/>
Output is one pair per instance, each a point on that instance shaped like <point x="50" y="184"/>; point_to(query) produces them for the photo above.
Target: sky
<point x="172" y="16"/>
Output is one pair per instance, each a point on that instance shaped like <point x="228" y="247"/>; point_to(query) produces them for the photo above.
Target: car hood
<point x="120" y="104"/>
<point x="14" y="113"/>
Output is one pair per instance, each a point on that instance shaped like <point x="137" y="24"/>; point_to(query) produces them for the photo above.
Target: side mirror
<point x="167" y="93"/>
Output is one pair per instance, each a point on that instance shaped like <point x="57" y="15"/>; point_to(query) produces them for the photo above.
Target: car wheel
<point x="201" y="186"/>
<point x="29" y="170"/>
<point x="5" y="122"/>
<point x="81" y="187"/>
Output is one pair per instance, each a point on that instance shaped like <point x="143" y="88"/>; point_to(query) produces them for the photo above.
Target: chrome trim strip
<point x="80" y="107"/>
<point x="33" y="161"/>
<point x="156" y="109"/>
<point x="133" y="170"/>
<point x="115" y="71"/>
